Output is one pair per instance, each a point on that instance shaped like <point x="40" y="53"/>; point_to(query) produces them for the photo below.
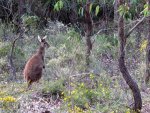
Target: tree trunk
<point x="116" y="15"/>
<point x="73" y="15"/>
<point x="147" y="79"/>
<point x="21" y="11"/>
<point x="88" y="32"/>
<point x="105" y="17"/>
<point x="21" y="7"/>
<point x="11" y="66"/>
<point x="131" y="83"/>
<point x="12" y="69"/>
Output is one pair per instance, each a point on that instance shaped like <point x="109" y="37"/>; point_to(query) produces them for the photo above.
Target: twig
<point x="13" y="45"/>
<point x="5" y="7"/>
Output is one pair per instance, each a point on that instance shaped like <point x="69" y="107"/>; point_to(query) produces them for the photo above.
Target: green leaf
<point x="90" y="7"/>
<point x="145" y="6"/>
<point x="97" y="10"/>
<point x="4" y="49"/>
<point x="79" y="12"/>
<point x="123" y="10"/>
<point x="82" y="10"/>
<point x="61" y="4"/>
<point x="146" y="12"/>
<point x="56" y="7"/>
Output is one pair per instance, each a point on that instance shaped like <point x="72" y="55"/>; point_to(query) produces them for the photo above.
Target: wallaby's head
<point x="43" y="42"/>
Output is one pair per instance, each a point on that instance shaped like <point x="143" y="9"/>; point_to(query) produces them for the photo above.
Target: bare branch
<point x="136" y="25"/>
<point x="13" y="45"/>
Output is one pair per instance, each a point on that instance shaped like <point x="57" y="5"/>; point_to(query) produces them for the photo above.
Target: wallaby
<point x="34" y="66"/>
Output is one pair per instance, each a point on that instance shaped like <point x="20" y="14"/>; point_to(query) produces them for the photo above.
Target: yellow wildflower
<point x="82" y="85"/>
<point x="103" y="90"/>
<point x="62" y="93"/>
<point x="73" y="92"/>
<point x="100" y="85"/>
<point x="86" y="105"/>
<point x="1" y="99"/>
<point x="69" y="104"/>
<point x="128" y="111"/>
<point x="8" y="99"/>
<point x="71" y="84"/>
<point x="143" y="45"/>
<point x="65" y="99"/>
<point x="91" y="76"/>
<point x="112" y="112"/>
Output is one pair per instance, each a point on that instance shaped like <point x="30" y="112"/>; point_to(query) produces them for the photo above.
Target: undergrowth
<point x="64" y="79"/>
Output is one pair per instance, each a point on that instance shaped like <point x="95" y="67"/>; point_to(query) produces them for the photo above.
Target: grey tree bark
<point x="125" y="73"/>
<point x="88" y="32"/>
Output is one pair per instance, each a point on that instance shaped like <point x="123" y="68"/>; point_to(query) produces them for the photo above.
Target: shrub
<point x="7" y="102"/>
<point x="53" y="87"/>
<point x="84" y="96"/>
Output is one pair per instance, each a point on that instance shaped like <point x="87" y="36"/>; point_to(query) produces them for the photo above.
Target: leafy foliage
<point x="83" y="96"/>
<point x="97" y="10"/>
<point x="124" y="11"/>
<point x="4" y="49"/>
<point x="59" y="5"/>
<point x="146" y="11"/>
<point x="64" y="77"/>
<point x="31" y="21"/>
<point x="143" y="45"/>
<point x="54" y="88"/>
<point x="106" y="43"/>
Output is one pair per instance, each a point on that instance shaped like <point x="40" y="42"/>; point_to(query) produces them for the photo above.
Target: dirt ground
<point x="146" y="101"/>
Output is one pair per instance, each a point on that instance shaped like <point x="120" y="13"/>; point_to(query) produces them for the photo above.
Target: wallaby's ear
<point x="39" y="38"/>
<point x="44" y="37"/>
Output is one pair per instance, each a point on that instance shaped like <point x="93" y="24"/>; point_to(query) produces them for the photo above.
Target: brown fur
<point x="34" y="66"/>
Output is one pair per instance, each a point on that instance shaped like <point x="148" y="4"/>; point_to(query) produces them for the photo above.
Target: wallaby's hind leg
<point x="29" y="84"/>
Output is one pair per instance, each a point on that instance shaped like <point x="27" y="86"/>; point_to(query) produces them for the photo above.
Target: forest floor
<point x="35" y="101"/>
<point x="146" y="104"/>
<point x="40" y="104"/>
<point x="45" y="104"/>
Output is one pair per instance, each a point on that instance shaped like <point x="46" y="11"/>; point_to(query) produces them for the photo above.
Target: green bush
<point x="53" y="87"/>
<point x="4" y="49"/>
<point x="84" y="95"/>
<point x="106" y="44"/>
<point x="31" y="21"/>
